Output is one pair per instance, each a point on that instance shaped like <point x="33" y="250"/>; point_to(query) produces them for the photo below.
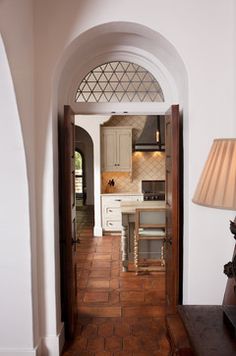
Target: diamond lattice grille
<point x="119" y="82"/>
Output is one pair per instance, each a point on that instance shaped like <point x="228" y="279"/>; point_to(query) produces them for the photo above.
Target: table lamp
<point x="217" y="189"/>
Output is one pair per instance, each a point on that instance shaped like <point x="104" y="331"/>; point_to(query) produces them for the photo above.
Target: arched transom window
<point x="119" y="81"/>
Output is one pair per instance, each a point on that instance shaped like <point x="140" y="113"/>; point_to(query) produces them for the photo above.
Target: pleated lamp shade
<point x="217" y="185"/>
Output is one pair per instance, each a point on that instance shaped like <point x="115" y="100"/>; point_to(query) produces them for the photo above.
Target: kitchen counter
<point x="116" y="193"/>
<point x="128" y="207"/>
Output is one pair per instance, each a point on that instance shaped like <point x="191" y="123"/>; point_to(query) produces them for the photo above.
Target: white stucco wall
<point x="203" y="34"/>
<point x="16" y="299"/>
<point x="91" y="123"/>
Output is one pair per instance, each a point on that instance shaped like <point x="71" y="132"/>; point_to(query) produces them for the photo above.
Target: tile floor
<point x="118" y="313"/>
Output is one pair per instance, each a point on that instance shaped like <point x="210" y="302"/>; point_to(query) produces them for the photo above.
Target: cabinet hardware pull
<point x="117" y="199"/>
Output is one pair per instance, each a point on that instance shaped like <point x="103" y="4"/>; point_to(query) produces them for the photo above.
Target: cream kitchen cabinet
<point x="116" y="149"/>
<point x="111" y="209"/>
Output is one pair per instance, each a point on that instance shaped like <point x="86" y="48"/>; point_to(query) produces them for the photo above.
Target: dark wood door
<point x="173" y="207"/>
<point x="68" y="239"/>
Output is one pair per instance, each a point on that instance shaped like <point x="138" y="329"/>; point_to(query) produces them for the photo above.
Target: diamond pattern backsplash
<point x="146" y="165"/>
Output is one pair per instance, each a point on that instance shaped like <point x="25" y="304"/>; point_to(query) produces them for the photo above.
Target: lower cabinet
<point x="111" y="212"/>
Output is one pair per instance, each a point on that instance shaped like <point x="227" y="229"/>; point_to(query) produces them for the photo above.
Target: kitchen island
<point x="128" y="210"/>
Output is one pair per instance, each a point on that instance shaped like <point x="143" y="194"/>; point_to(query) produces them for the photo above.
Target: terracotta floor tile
<point x="96" y="297"/>
<point x="131" y="284"/>
<point x="155" y="311"/>
<point x="100" y="273"/>
<point x="101" y="320"/>
<point x="96" y="344"/>
<point x="114" y="283"/>
<point x="155" y="297"/>
<point x="119" y="313"/>
<point x="122" y="329"/>
<point x="82" y="283"/>
<point x="108" y="312"/>
<point x="101" y="264"/>
<point x="98" y="283"/>
<point x="132" y="296"/>
<point x="113" y="343"/>
<point x="144" y="329"/>
<point x="79" y="344"/>
<point x="103" y="249"/>
<point x="105" y="329"/>
<point x="114" y="297"/>
<point x="131" y="343"/>
<point x="102" y="257"/>
<point x="149" y="342"/>
<point x="115" y="272"/>
<point x="89" y="331"/>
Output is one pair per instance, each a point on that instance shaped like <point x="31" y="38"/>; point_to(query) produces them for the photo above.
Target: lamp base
<point x="229" y="317"/>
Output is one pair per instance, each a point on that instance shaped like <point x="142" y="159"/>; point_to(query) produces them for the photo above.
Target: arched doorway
<point x="154" y="65"/>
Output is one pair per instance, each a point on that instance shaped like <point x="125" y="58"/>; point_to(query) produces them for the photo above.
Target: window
<point x="78" y="175"/>
<point x="119" y="82"/>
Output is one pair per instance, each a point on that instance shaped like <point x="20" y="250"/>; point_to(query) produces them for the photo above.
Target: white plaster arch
<point x="121" y="41"/>
<point x="129" y="54"/>
<point x="131" y="41"/>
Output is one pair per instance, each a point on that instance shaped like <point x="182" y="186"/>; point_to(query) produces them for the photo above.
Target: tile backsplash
<point x="146" y="165"/>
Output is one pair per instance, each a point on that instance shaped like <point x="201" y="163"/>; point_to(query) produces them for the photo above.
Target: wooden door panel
<point x="173" y="204"/>
<point x="68" y="222"/>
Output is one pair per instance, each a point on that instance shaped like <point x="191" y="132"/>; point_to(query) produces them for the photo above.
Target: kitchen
<point x="138" y="179"/>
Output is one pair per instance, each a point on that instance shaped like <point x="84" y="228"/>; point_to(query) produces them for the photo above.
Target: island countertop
<point x="119" y="193"/>
<point x="128" y="207"/>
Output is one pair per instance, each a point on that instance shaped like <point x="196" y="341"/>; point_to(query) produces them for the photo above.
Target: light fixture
<point x="217" y="189"/>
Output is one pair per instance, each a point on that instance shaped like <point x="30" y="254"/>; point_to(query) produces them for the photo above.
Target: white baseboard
<point x="52" y="345"/>
<point x="97" y="231"/>
<point x="18" y="352"/>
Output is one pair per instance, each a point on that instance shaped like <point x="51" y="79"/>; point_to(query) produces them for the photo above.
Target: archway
<point x="109" y="45"/>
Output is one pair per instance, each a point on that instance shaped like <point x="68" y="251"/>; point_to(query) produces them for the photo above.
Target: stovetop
<point x="153" y="189"/>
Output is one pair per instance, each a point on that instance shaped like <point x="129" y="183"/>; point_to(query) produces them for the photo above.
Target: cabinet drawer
<point x="112" y="224"/>
<point x="117" y="199"/>
<point x="111" y="211"/>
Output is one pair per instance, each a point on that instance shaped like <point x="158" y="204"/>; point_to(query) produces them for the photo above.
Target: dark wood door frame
<point x="174" y="209"/>
<point x="67" y="210"/>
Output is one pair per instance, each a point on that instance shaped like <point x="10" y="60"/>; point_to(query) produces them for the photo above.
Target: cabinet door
<point x="108" y="150"/>
<point x="124" y="150"/>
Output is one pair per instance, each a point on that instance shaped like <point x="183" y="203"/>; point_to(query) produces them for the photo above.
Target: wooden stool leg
<point x="162" y="255"/>
<point x="136" y="253"/>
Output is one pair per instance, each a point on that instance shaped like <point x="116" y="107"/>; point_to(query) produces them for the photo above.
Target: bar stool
<point x="149" y="226"/>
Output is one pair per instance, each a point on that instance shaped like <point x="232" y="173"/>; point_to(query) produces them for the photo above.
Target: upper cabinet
<point x="116" y="149"/>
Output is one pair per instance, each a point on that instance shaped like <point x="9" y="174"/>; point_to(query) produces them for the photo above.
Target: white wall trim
<point x="97" y="231"/>
<point x="19" y="352"/>
<point x="52" y="345"/>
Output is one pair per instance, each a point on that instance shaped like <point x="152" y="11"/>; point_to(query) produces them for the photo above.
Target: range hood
<point x="152" y="137"/>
